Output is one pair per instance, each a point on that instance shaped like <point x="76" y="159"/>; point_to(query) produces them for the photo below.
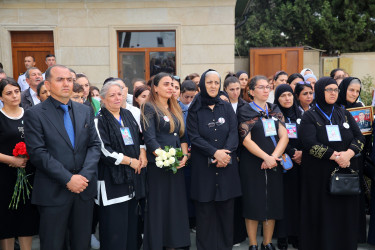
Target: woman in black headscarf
<point x="331" y="138"/>
<point x="350" y="89"/>
<point x="287" y="229"/>
<point x="215" y="182"/>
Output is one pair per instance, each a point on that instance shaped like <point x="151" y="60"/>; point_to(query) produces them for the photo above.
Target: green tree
<point x="335" y="25"/>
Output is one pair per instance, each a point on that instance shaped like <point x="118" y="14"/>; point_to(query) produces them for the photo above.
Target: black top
<point x="210" y="130"/>
<point x="156" y="131"/>
<point x="315" y="140"/>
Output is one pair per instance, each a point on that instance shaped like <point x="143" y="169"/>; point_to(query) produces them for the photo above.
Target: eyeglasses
<point x="212" y="124"/>
<point x="263" y="87"/>
<point x="330" y="90"/>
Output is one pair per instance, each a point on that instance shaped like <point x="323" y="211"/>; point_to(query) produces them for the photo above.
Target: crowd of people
<point x="260" y="150"/>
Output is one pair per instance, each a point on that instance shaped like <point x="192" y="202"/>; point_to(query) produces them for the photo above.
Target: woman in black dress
<point x="233" y="88"/>
<point x="212" y="130"/>
<point x="287" y="229"/>
<point x="22" y="222"/>
<point x="350" y="89"/>
<point x="121" y="180"/>
<point x="264" y="138"/>
<point x="328" y="221"/>
<point x="166" y="219"/>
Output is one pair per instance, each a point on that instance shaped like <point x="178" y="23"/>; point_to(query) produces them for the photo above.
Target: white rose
<point x="168" y="155"/>
<point x="158" y="158"/>
<point x="159" y="164"/>
<point x="158" y="151"/>
<point x="164" y="155"/>
<point x="172" y="160"/>
<point x="166" y="163"/>
<point x="172" y="151"/>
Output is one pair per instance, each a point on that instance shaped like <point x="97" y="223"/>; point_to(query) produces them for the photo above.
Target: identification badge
<point x="333" y="133"/>
<point x="126" y="136"/>
<point x="291" y="128"/>
<point x="269" y="127"/>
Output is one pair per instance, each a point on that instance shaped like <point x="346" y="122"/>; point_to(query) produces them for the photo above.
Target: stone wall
<point x="85" y="37"/>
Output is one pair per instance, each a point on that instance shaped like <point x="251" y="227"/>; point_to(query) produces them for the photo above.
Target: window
<point x="142" y="54"/>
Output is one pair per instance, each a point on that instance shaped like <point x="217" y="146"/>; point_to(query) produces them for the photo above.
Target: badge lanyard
<point x="333" y="131"/>
<point x="328" y="117"/>
<point x="254" y="106"/>
<point x="119" y="121"/>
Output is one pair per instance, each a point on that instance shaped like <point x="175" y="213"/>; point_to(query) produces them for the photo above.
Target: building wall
<point x="85" y="31"/>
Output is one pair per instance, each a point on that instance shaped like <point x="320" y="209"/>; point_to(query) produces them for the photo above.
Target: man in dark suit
<point x="362" y="123"/>
<point x="63" y="145"/>
<point x="29" y="97"/>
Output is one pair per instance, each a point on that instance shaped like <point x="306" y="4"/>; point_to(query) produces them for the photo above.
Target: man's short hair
<point x="39" y="87"/>
<point x="27" y="74"/>
<point x="77" y="88"/>
<point x="48" y="71"/>
<point x="2" y="71"/>
<point x="31" y="57"/>
<point x="50" y="55"/>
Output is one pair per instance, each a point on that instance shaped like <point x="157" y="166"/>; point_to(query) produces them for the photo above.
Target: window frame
<point x="146" y="50"/>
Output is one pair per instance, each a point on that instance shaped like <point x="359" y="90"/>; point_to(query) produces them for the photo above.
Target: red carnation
<point x="20" y="150"/>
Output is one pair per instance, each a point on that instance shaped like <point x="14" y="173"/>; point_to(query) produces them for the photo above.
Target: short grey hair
<point x="212" y="72"/>
<point x="27" y="74"/>
<point x="107" y="86"/>
<point x="355" y="81"/>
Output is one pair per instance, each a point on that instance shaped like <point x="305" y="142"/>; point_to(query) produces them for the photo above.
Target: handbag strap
<point x="338" y="169"/>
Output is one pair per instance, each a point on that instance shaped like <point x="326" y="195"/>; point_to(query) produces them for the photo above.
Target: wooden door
<point x="267" y="61"/>
<point x="30" y="43"/>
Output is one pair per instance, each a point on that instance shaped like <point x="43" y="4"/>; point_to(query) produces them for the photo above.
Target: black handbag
<point x="344" y="183"/>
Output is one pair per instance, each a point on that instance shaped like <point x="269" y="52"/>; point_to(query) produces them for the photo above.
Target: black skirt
<point x="166" y="217"/>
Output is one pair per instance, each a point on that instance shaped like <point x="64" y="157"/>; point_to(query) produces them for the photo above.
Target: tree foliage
<point x="332" y="25"/>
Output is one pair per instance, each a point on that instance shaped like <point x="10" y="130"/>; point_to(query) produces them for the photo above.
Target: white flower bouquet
<point x="168" y="158"/>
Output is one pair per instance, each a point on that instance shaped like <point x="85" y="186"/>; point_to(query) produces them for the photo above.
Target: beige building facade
<point x="85" y="32"/>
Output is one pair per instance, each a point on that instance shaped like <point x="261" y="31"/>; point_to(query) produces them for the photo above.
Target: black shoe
<point x="282" y="243"/>
<point x="268" y="247"/>
<point x="253" y="247"/>
<point x="294" y="241"/>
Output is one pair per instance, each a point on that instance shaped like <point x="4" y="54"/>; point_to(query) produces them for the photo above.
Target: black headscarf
<point x="320" y="94"/>
<point x="293" y="112"/>
<point x="341" y="100"/>
<point x="239" y="73"/>
<point x="203" y="98"/>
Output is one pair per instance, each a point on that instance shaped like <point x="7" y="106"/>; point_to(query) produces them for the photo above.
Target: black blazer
<point x="156" y="132"/>
<point x="26" y="99"/>
<point x="55" y="159"/>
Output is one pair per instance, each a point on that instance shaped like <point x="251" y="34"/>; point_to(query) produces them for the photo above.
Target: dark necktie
<point x="68" y="123"/>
